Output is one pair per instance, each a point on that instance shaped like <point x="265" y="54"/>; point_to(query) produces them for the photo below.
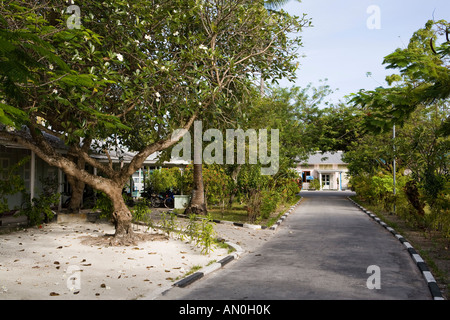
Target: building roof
<point x="334" y="157"/>
<point x="116" y="156"/>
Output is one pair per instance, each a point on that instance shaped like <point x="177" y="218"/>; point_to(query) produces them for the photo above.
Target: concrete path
<point x="321" y="251"/>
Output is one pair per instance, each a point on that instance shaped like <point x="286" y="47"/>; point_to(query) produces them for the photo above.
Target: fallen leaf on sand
<point x="52" y="294"/>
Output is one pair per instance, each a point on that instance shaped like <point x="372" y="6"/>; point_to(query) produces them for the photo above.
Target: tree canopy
<point x="423" y="77"/>
<point x="130" y="74"/>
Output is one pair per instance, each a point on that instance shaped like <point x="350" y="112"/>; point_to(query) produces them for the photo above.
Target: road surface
<point x="326" y="249"/>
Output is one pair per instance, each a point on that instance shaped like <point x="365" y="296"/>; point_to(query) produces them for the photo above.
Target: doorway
<point x="325" y="182"/>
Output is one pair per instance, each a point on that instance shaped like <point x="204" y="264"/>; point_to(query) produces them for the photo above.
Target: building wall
<point x="313" y="170"/>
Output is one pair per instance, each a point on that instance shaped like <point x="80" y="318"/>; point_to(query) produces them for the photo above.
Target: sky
<point x="342" y="48"/>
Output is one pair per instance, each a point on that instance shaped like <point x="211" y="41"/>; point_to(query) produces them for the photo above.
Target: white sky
<point x="343" y="49"/>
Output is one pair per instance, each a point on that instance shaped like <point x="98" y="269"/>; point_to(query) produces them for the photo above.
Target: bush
<point x="39" y="209"/>
<point x="288" y="189"/>
<point x="270" y="199"/>
<point x="216" y="182"/>
<point x="105" y="205"/>
<point x="165" y="179"/>
<point x="314" y="184"/>
<point x="12" y="184"/>
<point x="254" y="205"/>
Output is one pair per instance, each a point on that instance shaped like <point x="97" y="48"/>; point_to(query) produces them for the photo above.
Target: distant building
<point x="328" y="168"/>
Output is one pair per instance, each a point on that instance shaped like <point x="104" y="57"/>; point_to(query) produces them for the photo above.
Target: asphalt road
<point x="322" y="251"/>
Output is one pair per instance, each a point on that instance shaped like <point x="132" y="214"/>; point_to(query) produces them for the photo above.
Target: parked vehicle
<point x="165" y="199"/>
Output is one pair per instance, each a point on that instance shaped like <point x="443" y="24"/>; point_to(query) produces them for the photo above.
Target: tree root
<point x="110" y="240"/>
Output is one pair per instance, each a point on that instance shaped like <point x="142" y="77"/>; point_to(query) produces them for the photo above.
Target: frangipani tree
<point x="129" y="74"/>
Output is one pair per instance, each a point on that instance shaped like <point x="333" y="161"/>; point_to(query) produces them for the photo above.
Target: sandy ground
<point x="59" y="261"/>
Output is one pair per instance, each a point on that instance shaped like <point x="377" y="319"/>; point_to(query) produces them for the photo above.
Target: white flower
<point x="202" y="47"/>
<point x="157" y="100"/>
<point x="147" y="37"/>
<point x="55" y="91"/>
<point x="157" y="95"/>
<point x="175" y="34"/>
<point x="163" y="68"/>
<point x="119" y="57"/>
<point x="155" y="62"/>
<point x="50" y="66"/>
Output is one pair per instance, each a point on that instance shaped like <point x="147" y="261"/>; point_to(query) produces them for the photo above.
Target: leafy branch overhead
<point x="424" y="78"/>
<point x="131" y="74"/>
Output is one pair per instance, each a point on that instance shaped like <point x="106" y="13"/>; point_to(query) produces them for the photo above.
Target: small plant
<point x="169" y="223"/>
<point x="192" y="227"/>
<point x="314" y="184"/>
<point x="142" y="213"/>
<point x="104" y="204"/>
<point x="39" y="209"/>
<point x="206" y="236"/>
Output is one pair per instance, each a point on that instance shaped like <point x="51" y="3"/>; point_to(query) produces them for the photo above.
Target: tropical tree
<point x="127" y="76"/>
<point x="423" y="78"/>
<point x="272" y="50"/>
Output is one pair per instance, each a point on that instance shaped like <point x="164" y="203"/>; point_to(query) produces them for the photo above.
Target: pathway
<point x="321" y="251"/>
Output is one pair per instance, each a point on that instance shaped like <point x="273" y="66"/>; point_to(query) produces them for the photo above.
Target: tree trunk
<point x="76" y="184"/>
<point x="76" y="195"/>
<point x="122" y="219"/>
<point x="234" y="178"/>
<point x="413" y="196"/>
<point x="197" y="204"/>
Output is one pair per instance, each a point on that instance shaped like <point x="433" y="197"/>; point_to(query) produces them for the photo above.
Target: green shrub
<point x="270" y="199"/>
<point x="164" y="179"/>
<point x="39" y="209"/>
<point x="105" y="205"/>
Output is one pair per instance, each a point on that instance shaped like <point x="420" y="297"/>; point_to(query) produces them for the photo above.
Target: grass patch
<point x="238" y="213"/>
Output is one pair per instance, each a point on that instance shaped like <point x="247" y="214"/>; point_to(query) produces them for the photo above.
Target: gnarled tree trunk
<point x="76" y="184"/>
<point x="122" y="218"/>
<point x="198" y="203"/>
<point x="76" y="195"/>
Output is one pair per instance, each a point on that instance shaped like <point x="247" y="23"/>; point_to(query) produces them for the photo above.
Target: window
<point x="305" y="174"/>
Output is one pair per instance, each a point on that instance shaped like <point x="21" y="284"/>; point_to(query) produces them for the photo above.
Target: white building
<point x="328" y="168"/>
<point x="36" y="169"/>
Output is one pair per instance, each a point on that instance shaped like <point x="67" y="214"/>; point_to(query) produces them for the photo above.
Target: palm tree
<point x="273" y="5"/>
